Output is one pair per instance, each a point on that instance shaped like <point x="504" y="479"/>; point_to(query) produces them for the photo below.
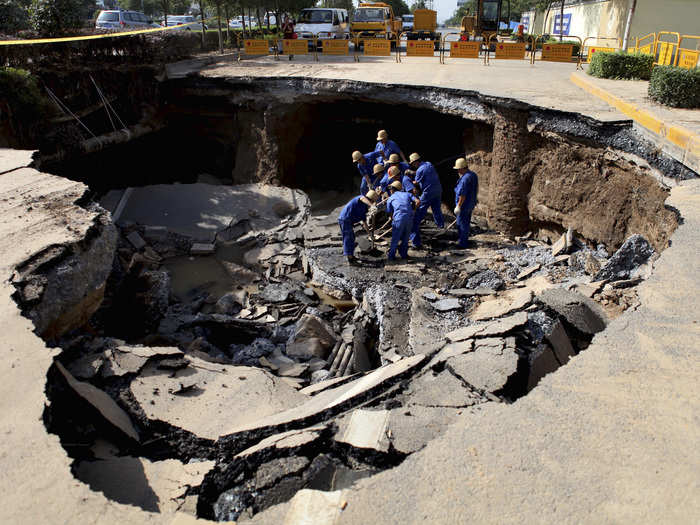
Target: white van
<point x="323" y="22"/>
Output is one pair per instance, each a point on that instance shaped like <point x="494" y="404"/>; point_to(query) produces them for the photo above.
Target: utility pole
<point x="628" y="25"/>
<point x="561" y="23"/>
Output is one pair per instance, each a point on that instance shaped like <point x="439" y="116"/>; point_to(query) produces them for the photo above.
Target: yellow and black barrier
<point x="597" y="49"/>
<point x="505" y="50"/>
<point x="418" y="48"/>
<point x="459" y="48"/>
<point x="640" y="47"/>
<point x="688" y="58"/>
<point x="375" y="46"/>
<point x="667" y="52"/>
<point x="557" y="52"/>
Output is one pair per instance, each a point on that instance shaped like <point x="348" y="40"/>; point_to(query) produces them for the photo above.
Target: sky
<point x="445" y="8"/>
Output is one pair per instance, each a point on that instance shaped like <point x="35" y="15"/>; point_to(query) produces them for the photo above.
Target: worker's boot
<point x="352" y="261"/>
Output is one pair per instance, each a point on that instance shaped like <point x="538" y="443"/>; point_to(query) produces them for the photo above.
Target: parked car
<point x="235" y="23"/>
<point x="406" y="22"/>
<point x="120" y="20"/>
<point x="180" y="20"/>
<point x="326" y="23"/>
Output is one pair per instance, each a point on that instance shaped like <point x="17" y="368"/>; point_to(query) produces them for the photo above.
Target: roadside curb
<point x="685" y="145"/>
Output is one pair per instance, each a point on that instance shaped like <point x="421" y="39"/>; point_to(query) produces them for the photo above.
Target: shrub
<point x="621" y="65"/>
<point x="675" y="86"/>
<point x="58" y="17"/>
<point x="27" y="108"/>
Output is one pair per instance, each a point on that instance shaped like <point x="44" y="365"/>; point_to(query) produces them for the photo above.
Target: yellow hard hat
<point x="393" y="171"/>
<point x="372" y="195"/>
<point x="414" y="157"/>
<point x="378" y="168"/>
<point x="460" y="164"/>
<point x="382" y="134"/>
<point x="356" y="156"/>
<point x="394" y="158"/>
<point x="397" y="185"/>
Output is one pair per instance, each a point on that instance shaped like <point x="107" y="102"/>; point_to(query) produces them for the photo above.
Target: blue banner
<point x="558" y="25"/>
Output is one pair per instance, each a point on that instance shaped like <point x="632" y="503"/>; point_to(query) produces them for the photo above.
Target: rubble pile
<point x="275" y="366"/>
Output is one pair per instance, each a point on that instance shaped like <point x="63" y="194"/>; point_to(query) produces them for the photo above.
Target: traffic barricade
<point x="459" y="48"/>
<point x="666" y="52"/>
<point x="597" y="49"/>
<point x="377" y="47"/>
<point x="558" y="52"/>
<point x="505" y="50"/>
<point x="417" y="48"/>
<point x="688" y="58"/>
<point x="334" y="46"/>
<point x="255" y="46"/>
<point x="646" y="48"/>
<point x="299" y="46"/>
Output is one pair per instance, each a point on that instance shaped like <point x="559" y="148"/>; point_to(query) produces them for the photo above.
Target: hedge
<point x="621" y="65"/>
<point x="675" y="86"/>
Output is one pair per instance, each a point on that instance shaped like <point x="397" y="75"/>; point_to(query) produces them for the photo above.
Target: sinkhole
<point x="210" y="319"/>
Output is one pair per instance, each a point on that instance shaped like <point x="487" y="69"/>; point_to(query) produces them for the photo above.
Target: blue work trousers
<point x="400" y="232"/>
<point x="463" y="220"/>
<point x="432" y="202"/>
<point x="347" y="230"/>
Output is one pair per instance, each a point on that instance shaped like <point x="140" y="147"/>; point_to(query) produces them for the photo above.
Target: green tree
<point x="419" y="4"/>
<point x="399" y="6"/>
<point x="14" y="15"/>
<point x="59" y="17"/>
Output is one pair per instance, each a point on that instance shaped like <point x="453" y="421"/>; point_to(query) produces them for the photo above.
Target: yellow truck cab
<point x="424" y="27"/>
<point x="375" y="20"/>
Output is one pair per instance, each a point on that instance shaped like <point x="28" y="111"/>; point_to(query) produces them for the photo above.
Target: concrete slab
<point x="331" y="398"/>
<point x="12" y="159"/>
<point x="486" y="329"/>
<point x="157" y="486"/>
<point x="285" y="440"/>
<point x="224" y="395"/>
<point x="314" y="507"/>
<point x="503" y="304"/>
<point x="201" y="211"/>
<point x="489" y="366"/>
<point x="366" y="429"/>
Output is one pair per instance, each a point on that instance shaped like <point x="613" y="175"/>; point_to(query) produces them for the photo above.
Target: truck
<point x="424" y="27"/>
<point x="375" y="20"/>
<point x="484" y="22"/>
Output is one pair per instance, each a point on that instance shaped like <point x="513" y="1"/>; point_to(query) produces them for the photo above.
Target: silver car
<point x="178" y="20"/>
<point x="120" y="20"/>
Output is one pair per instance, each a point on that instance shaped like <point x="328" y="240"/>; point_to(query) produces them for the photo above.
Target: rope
<point x="67" y="111"/>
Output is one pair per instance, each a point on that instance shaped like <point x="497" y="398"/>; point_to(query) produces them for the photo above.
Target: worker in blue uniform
<point x="465" y="199"/>
<point x="404" y="170"/>
<point x="400" y="206"/>
<point x="386" y="147"/>
<point x="353" y="212"/>
<point x="431" y="196"/>
<point x="365" y="165"/>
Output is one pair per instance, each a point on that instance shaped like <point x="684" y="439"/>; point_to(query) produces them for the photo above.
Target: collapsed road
<point x="216" y="355"/>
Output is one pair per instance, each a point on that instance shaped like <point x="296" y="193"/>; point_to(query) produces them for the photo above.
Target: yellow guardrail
<point x="557" y="52"/>
<point x="418" y="48"/>
<point x="595" y="49"/>
<point x="506" y="50"/>
<point x="666" y="52"/>
<point x="459" y="48"/>
<point x="114" y="34"/>
<point x="688" y="58"/>
<point x="647" y="49"/>
<point x="378" y="47"/>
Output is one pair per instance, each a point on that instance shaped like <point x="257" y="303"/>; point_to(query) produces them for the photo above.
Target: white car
<point x="235" y="23"/>
<point x="180" y="20"/>
<point x="326" y="23"/>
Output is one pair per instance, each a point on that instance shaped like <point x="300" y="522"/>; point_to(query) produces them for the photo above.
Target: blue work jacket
<point x="429" y="181"/>
<point x="400" y="206"/>
<point x="387" y="149"/>
<point x="354" y="211"/>
<point x="468" y="187"/>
